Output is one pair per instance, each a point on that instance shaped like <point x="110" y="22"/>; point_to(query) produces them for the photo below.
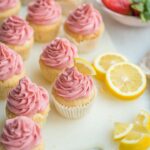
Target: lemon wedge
<point x="135" y="141"/>
<point x="121" y="130"/>
<point x="143" y="120"/>
<point x="126" y="80"/>
<point x="103" y="62"/>
<point x="84" y="66"/>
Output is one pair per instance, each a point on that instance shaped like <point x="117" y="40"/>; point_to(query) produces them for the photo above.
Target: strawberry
<point x="119" y="6"/>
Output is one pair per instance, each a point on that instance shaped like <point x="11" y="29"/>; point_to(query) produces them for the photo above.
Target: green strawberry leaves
<point x="139" y="7"/>
<point x="142" y="7"/>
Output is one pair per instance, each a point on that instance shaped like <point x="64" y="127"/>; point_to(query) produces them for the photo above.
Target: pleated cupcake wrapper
<point x="72" y="112"/>
<point x="144" y="68"/>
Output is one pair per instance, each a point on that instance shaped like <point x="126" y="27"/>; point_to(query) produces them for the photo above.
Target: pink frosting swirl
<point x="20" y="133"/>
<point x="15" y="31"/>
<point x="84" y="20"/>
<point x="27" y="98"/>
<point x="6" y="4"/>
<point x="10" y="63"/>
<point x="59" y="53"/>
<point x="72" y="84"/>
<point x="44" y="12"/>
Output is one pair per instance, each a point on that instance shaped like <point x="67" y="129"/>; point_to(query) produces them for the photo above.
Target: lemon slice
<point x="126" y="80"/>
<point x="135" y="141"/>
<point x="121" y="130"/>
<point x="84" y="66"/>
<point x="143" y="120"/>
<point x="103" y="62"/>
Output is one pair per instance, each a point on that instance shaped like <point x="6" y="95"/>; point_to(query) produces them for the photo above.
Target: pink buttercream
<point x="59" y="53"/>
<point x="6" y="4"/>
<point x="20" y="133"/>
<point x="84" y="20"/>
<point x="15" y="31"/>
<point x="27" y="98"/>
<point x="44" y="12"/>
<point x="10" y="63"/>
<point x="71" y="84"/>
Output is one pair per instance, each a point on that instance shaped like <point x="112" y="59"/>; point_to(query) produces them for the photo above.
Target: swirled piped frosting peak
<point x="59" y="53"/>
<point x="6" y="4"/>
<point x="10" y="63"/>
<point x="72" y="85"/>
<point x="84" y="20"/>
<point x="20" y="133"/>
<point x="15" y="31"/>
<point x="27" y="99"/>
<point x="44" y="12"/>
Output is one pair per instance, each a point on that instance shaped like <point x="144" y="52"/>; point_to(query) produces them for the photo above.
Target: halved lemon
<point x="121" y="130"/>
<point x="135" y="141"/>
<point x="143" y="120"/>
<point x="126" y="80"/>
<point x="103" y="62"/>
<point x="84" y="66"/>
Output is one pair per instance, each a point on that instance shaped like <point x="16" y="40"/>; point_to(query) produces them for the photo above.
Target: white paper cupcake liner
<point x="72" y="112"/>
<point x="144" y="65"/>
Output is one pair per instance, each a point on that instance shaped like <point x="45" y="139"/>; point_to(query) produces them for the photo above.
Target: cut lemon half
<point x="103" y="62"/>
<point x="135" y="141"/>
<point x="143" y="120"/>
<point x="126" y="80"/>
<point x="84" y="66"/>
<point x="121" y="130"/>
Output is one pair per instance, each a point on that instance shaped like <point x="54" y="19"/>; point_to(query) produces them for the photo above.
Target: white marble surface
<point x="94" y="130"/>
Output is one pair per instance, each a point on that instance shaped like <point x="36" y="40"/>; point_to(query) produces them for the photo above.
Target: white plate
<point x="94" y="130"/>
<point x="124" y="19"/>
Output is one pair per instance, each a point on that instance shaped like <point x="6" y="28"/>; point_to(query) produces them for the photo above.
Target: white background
<point x="95" y="129"/>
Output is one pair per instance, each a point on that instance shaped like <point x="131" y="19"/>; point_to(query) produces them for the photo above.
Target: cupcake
<point x="21" y="133"/>
<point x="9" y="8"/>
<point x="25" y="2"/>
<point x="84" y="26"/>
<point x="69" y="5"/>
<point x="28" y="99"/>
<point x="73" y="93"/>
<point x="57" y="56"/>
<point x="18" y="35"/>
<point x="45" y="18"/>
<point x="11" y="70"/>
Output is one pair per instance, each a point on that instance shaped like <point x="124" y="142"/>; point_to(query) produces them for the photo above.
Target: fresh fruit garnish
<point x="143" y="120"/>
<point x="126" y="80"/>
<point x="121" y="130"/>
<point x="134" y="136"/>
<point x="119" y="6"/>
<point x="141" y="8"/>
<point x="135" y="141"/>
<point x="103" y="62"/>
<point x="84" y="66"/>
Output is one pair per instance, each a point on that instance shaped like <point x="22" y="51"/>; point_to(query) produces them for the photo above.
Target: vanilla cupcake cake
<point x="73" y="93"/>
<point x="21" y="133"/>
<point x="28" y="99"/>
<point x="25" y="2"/>
<point x="69" y="5"/>
<point x="57" y="56"/>
<point x="18" y="35"/>
<point x="11" y="70"/>
<point x="45" y="18"/>
<point x="9" y="8"/>
<point x="84" y="26"/>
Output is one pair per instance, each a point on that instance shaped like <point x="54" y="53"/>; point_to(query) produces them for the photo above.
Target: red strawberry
<point x="119" y="6"/>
